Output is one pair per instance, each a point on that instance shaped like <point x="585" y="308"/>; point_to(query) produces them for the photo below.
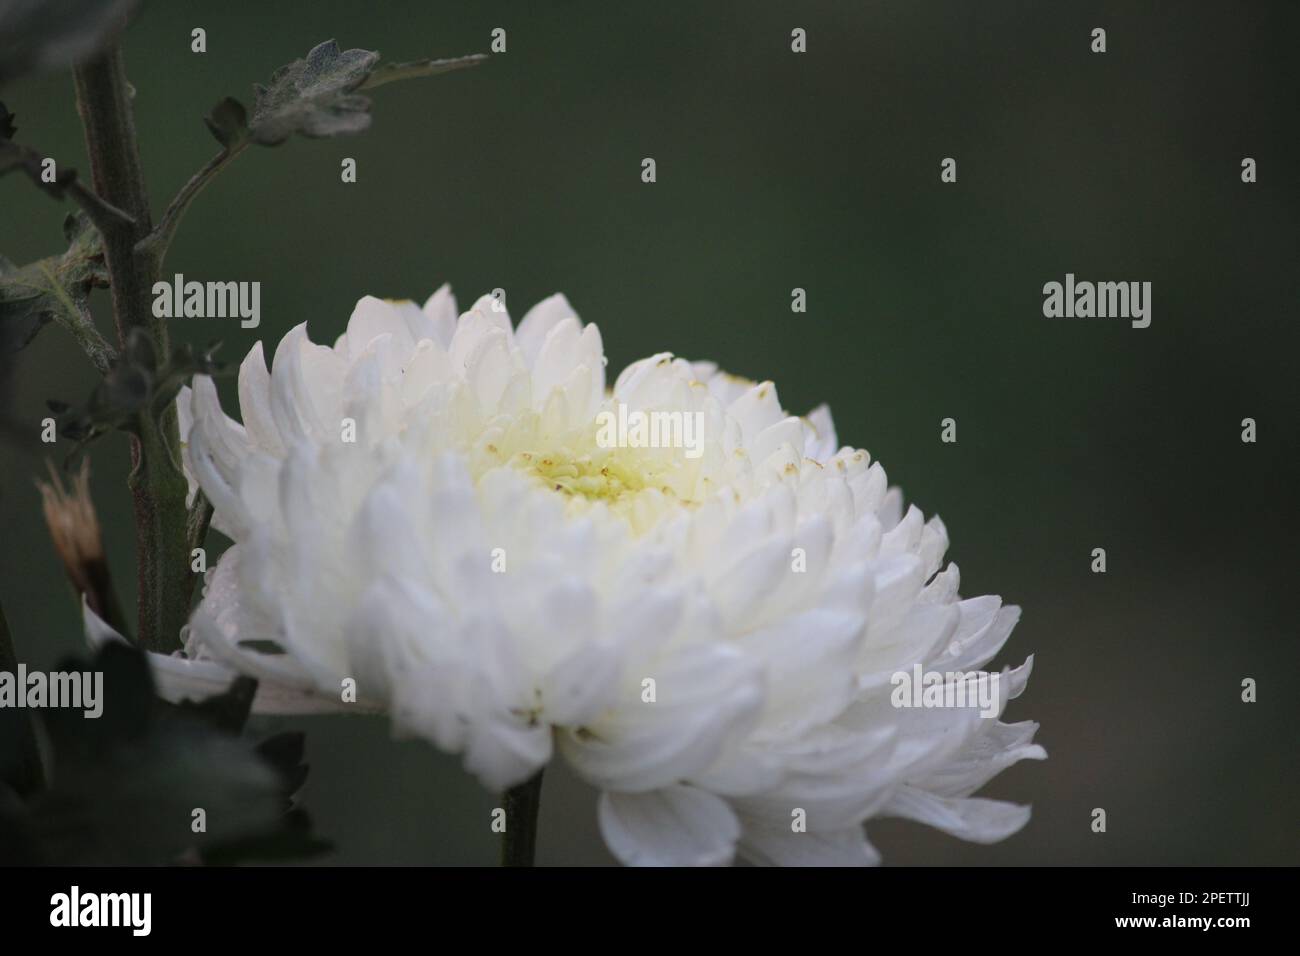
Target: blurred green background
<point x="820" y="171"/>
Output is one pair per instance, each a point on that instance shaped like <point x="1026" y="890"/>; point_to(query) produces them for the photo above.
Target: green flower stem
<point x="521" y="803"/>
<point x="157" y="486"/>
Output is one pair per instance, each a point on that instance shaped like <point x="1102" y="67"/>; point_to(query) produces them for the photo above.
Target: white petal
<point x="707" y="697"/>
<point x="821" y="443"/>
<point x="504" y="750"/>
<point x="675" y="826"/>
<point x="847" y="846"/>
<point x="178" y="679"/>
<point x="255" y="401"/>
<point x="537" y="324"/>
<point x="757" y="409"/>
<point x="441" y="311"/>
<point x="372" y="318"/>
<point x="970" y="818"/>
<point x="581" y="686"/>
<point x="560" y="353"/>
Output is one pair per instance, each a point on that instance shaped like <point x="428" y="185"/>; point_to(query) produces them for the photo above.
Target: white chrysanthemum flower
<point x="709" y="639"/>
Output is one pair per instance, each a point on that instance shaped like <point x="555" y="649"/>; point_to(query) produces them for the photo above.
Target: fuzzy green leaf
<point x="314" y="96"/>
<point x="318" y="96"/>
<point x="56" y="289"/>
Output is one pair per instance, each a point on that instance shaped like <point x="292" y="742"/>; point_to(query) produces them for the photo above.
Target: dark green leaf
<point x="55" y="288"/>
<point x="285" y="753"/>
<point x="228" y="122"/>
<point x="229" y="711"/>
<point x="124" y="786"/>
<point x="293" y="839"/>
<point x="136" y="383"/>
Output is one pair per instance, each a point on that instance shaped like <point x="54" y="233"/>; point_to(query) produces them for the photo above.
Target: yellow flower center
<point x="642" y="486"/>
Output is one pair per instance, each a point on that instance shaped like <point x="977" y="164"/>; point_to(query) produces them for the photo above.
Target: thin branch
<point x="156" y="244"/>
<point x="102" y="213"/>
<point x="231" y="129"/>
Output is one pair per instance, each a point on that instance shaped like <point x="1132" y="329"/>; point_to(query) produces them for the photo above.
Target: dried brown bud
<point x="74" y="529"/>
